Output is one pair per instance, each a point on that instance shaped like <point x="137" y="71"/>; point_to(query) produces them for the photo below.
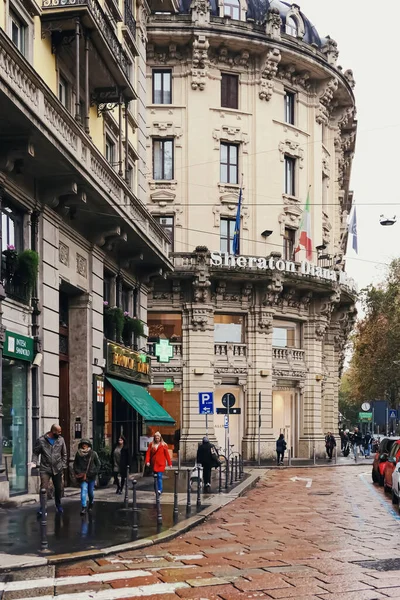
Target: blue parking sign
<point x="206" y="403"/>
<point x="392" y="413"/>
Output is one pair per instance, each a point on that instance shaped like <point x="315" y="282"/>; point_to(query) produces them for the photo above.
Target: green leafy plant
<point x="27" y="269"/>
<point x="132" y="325"/>
<point x="106" y="467"/>
<point x="114" y="321"/>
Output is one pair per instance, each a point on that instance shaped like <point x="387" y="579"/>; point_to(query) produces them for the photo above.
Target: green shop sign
<point x="365" y="416"/>
<point x="18" y="346"/>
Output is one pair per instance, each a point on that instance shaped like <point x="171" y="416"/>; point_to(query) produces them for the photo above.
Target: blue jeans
<point x="159" y="480"/>
<point x="87" y="489"/>
<point x="367" y="450"/>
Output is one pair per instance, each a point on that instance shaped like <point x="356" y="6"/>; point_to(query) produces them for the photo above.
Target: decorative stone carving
<point x="268" y="72"/>
<point x="350" y="78"/>
<point x="166" y="129"/>
<point x="326" y="170"/>
<point x="292" y="149"/>
<point x="273" y="24"/>
<point x="273" y="291"/>
<point x="290" y="216"/>
<point x="265" y="321"/>
<point x="288" y="373"/>
<point x="200" y="10"/>
<point x="230" y="133"/>
<point x="330" y="50"/>
<point x="63" y="254"/>
<point x="224" y="56"/>
<point x="199" y="62"/>
<point x="296" y="78"/>
<point x="231" y="370"/>
<point x="326" y="229"/>
<point x="230" y="211"/>
<point x="200" y="319"/>
<point x="325" y="101"/>
<point x="81" y="265"/>
<point x="163" y="196"/>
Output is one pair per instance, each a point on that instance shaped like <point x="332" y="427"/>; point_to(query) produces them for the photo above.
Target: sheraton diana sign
<point x="306" y="268"/>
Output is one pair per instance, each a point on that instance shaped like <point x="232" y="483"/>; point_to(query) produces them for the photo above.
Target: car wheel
<point x="395" y="499"/>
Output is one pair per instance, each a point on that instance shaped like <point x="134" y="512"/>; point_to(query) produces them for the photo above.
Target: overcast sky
<point x="368" y="44"/>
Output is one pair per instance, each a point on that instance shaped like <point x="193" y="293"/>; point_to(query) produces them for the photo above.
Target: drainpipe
<point x="126" y="142"/>
<point x="35" y="333"/>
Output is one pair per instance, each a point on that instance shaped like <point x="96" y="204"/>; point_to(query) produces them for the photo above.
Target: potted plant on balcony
<point x="113" y="322"/>
<point x="132" y="326"/>
<point x="27" y="270"/>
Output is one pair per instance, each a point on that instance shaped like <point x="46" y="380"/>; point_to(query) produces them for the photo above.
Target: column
<point x="4" y="488"/>
<point x="330" y="384"/>
<point x="311" y="433"/>
<point x="259" y="343"/>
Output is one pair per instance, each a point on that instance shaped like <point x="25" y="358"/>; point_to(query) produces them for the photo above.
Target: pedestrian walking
<point x="157" y="457"/>
<point x="367" y="444"/>
<point x="342" y="439"/>
<point x="357" y="442"/>
<point x="50" y="457"/>
<point x="207" y="456"/>
<point x="280" y="449"/>
<point x="86" y="468"/>
<point x="330" y="444"/>
<point x="120" y="457"/>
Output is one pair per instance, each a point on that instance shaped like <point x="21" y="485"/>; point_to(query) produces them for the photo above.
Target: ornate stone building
<point x="247" y="94"/>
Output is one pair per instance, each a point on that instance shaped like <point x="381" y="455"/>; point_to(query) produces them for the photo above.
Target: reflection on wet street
<point x="108" y="524"/>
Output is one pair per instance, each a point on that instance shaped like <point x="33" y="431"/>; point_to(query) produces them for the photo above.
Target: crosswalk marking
<point x="109" y="594"/>
<point x="43" y="582"/>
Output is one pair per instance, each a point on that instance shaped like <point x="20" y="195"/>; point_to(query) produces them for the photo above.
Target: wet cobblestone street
<point x="285" y="539"/>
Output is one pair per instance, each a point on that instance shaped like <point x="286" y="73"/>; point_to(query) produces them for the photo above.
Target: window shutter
<point x="224" y="90"/>
<point x="233" y="93"/>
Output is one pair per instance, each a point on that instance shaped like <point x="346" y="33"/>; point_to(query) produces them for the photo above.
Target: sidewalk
<point x="110" y="526"/>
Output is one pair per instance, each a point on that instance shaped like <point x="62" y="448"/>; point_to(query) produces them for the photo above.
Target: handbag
<point x="82" y="476"/>
<point x="215" y="458"/>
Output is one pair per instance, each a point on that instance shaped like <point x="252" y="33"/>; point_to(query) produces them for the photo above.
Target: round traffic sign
<point x="228" y="398"/>
<point x="365" y="406"/>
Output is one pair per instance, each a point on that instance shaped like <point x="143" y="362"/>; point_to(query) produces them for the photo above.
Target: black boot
<point x="83" y="511"/>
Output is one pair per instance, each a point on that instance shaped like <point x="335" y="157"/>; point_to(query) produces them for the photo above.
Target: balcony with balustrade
<point x="76" y="24"/>
<point x="289" y="362"/>
<point x="129" y="28"/>
<point x="230" y="354"/>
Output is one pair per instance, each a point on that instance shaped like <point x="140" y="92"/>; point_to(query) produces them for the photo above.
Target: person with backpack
<point x="157" y="457"/>
<point x="207" y="456"/>
<point x="280" y="449"/>
<point x="86" y="468"/>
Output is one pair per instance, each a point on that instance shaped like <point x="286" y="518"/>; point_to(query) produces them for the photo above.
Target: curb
<point x="166" y="536"/>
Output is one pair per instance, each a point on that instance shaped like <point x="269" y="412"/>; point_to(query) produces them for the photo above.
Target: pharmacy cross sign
<point x="169" y="385"/>
<point x="164" y="351"/>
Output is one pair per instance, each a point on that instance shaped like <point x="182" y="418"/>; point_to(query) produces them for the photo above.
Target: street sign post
<point x="392" y="413"/>
<point x="206" y="405"/>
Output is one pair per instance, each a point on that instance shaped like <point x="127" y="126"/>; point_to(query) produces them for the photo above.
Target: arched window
<point x="292" y="27"/>
<point x="232" y="9"/>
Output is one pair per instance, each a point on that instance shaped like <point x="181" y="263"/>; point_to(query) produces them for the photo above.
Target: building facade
<point x="79" y="247"/>
<point x="243" y="95"/>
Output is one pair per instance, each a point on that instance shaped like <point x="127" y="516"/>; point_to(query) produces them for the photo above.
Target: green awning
<point x="140" y="399"/>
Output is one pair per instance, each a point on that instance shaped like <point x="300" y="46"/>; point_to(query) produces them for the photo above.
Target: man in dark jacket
<point x="53" y="460"/>
<point x="206" y="456"/>
<point x="357" y="442"/>
<point x="330" y="444"/>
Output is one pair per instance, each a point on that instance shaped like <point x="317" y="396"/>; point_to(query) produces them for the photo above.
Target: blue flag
<point x="236" y="237"/>
<point x="353" y="230"/>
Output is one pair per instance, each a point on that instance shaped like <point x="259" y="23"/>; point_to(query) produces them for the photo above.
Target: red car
<point x="390" y="466"/>
<point x="380" y="459"/>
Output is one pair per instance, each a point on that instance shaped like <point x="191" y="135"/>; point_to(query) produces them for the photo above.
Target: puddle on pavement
<point x="108" y="525"/>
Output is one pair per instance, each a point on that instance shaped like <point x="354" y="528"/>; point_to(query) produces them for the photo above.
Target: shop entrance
<point x="285" y="418"/>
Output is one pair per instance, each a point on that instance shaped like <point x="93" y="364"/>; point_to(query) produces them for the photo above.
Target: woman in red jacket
<point x="157" y="456"/>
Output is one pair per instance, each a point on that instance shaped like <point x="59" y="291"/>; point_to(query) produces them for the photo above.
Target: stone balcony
<point x="230" y="352"/>
<point x="289" y="363"/>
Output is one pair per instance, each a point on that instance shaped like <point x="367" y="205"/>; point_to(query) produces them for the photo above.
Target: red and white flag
<point x="304" y="232"/>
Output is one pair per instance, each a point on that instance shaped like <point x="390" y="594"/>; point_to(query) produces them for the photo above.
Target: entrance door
<point x="282" y="416"/>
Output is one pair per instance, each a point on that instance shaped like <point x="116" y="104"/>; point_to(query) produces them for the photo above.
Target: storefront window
<point x="228" y="328"/>
<point x="14" y="424"/>
<point x="163" y="325"/>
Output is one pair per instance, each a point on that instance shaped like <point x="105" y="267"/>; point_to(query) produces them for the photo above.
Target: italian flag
<point x="304" y="231"/>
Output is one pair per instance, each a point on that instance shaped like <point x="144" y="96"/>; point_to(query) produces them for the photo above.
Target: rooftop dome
<point x="257" y="10"/>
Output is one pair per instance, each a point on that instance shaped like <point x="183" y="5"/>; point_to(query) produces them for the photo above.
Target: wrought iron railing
<point x="17" y="291"/>
<point x="130" y="20"/>
<point x="103" y="25"/>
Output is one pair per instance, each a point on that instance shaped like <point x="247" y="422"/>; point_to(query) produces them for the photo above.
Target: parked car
<point x="380" y="459"/>
<point x="396" y="484"/>
<point x="390" y="466"/>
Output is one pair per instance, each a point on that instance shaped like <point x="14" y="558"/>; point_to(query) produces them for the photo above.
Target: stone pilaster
<point x="330" y="384"/>
<point x="259" y="345"/>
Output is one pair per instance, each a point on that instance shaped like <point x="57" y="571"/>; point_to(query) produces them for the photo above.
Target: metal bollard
<point x="226" y="473"/>
<point x="198" y="503"/>
<point x="232" y="471"/>
<point x="158" y="501"/>
<point x="289" y="457"/>
<point x="134" y="509"/>
<point x="188" y="490"/>
<point x="356" y="455"/>
<point x="335" y="455"/>
<point x="176" y="512"/>
<point x="236" y="468"/>
<point x="220" y="480"/>
<point x="44" y="544"/>
<point x="241" y="466"/>
<point x="126" y="499"/>
<point x="314" y="457"/>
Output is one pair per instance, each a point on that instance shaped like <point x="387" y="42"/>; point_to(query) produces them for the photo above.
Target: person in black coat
<point x="280" y="449"/>
<point x="330" y="444"/>
<point x="86" y="467"/>
<point x="206" y="456"/>
<point x="120" y="460"/>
